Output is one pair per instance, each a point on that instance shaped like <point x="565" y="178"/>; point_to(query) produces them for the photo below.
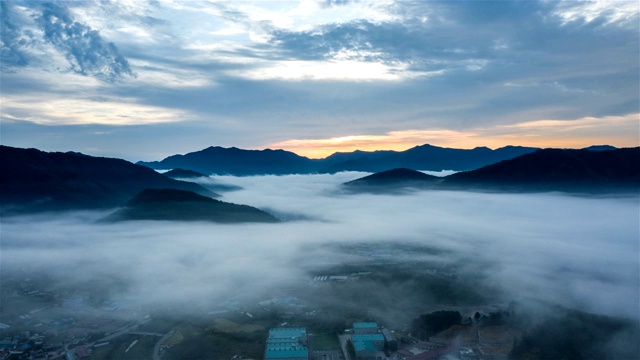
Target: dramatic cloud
<point x="320" y="69"/>
<point x="577" y="133"/>
<point x="12" y="39"/>
<point x="83" y="46"/>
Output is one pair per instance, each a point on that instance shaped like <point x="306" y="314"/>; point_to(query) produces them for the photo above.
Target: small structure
<point x="82" y="353"/>
<point x="365" y="328"/>
<point x="287" y="344"/>
<point x="390" y="340"/>
<point x="376" y="340"/>
<point x="366" y="345"/>
<point x="364" y="350"/>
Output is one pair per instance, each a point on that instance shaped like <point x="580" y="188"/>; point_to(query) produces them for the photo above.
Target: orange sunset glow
<point x="621" y="131"/>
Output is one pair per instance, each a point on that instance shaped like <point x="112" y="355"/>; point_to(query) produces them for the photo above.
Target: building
<point x="287" y="344"/>
<point x="82" y="353"/>
<point x="364" y="350"/>
<point x="390" y="340"/>
<point x="376" y="340"/>
<point x="366" y="345"/>
<point x="365" y="328"/>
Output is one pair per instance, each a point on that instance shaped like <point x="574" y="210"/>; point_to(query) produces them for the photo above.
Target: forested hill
<point x="180" y="205"/>
<point x="566" y="170"/>
<point x="559" y="169"/>
<point x="34" y="180"/>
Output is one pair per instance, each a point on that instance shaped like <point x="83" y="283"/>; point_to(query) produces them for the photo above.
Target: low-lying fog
<point x="577" y="252"/>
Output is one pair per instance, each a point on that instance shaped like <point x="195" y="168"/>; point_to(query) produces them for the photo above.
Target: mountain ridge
<point x="234" y="161"/>
<point x="567" y="170"/>
<point x="34" y="180"/>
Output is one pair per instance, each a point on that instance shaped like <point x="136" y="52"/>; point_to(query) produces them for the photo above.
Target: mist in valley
<point x="399" y="255"/>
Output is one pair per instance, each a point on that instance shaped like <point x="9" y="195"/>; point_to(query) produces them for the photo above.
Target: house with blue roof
<point x="366" y="340"/>
<point x="376" y="341"/>
<point x="287" y="344"/>
<point x="365" y="327"/>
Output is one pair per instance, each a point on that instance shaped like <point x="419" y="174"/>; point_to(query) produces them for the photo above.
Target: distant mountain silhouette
<point x="233" y="161"/>
<point x="181" y="205"/>
<point x="575" y="171"/>
<point x="34" y="180"/>
<point x="183" y="174"/>
<point x="599" y="147"/>
<point x="392" y="181"/>
<point x="424" y="157"/>
<point x="558" y="169"/>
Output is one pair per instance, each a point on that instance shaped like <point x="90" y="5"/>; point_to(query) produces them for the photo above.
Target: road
<point x="123" y="330"/>
<point x="343" y="345"/>
<point x="144" y="333"/>
<point x="156" y="349"/>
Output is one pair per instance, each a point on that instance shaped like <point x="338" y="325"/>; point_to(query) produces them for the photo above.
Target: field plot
<point x="324" y="342"/>
<point x="228" y="326"/>
<point x="121" y="348"/>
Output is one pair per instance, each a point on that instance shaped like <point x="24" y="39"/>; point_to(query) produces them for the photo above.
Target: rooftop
<point x="285" y="343"/>
<point x="365" y="325"/>
<point x="363" y="345"/>
<point x="368" y="337"/>
<point x="284" y="333"/>
<point x="286" y="352"/>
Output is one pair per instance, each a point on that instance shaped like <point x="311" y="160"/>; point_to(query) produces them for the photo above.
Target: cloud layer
<point x="576" y="252"/>
<point x="311" y="69"/>
<point x="216" y="71"/>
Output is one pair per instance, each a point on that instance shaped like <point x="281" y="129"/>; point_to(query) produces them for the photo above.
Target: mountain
<point x="424" y="157"/>
<point x="392" y="181"/>
<point x="599" y="148"/>
<point x="558" y="170"/>
<point x="234" y="161"/>
<point x="567" y="170"/>
<point x="34" y="180"/>
<point x="183" y="174"/>
<point x="181" y="205"/>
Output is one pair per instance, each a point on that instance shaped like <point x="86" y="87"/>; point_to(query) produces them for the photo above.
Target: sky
<point x="143" y="80"/>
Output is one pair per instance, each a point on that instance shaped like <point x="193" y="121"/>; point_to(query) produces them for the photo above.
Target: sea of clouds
<point x="578" y="252"/>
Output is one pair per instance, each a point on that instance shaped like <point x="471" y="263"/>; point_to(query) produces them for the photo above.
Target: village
<point x="369" y="341"/>
<point x="69" y="325"/>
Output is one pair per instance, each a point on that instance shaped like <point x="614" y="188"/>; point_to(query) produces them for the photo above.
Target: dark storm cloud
<point x="85" y="49"/>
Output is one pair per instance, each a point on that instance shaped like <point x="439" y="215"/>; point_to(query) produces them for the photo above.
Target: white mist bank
<point x="577" y="252"/>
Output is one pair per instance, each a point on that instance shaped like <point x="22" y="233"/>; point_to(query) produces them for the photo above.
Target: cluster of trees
<point x="580" y="335"/>
<point x="491" y="319"/>
<point x="430" y="324"/>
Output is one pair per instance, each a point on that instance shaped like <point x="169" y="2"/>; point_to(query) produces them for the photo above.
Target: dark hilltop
<point x="183" y="174"/>
<point x="181" y="205"/>
<point x="566" y="170"/>
<point x="32" y="180"/>
<point x="393" y="181"/>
